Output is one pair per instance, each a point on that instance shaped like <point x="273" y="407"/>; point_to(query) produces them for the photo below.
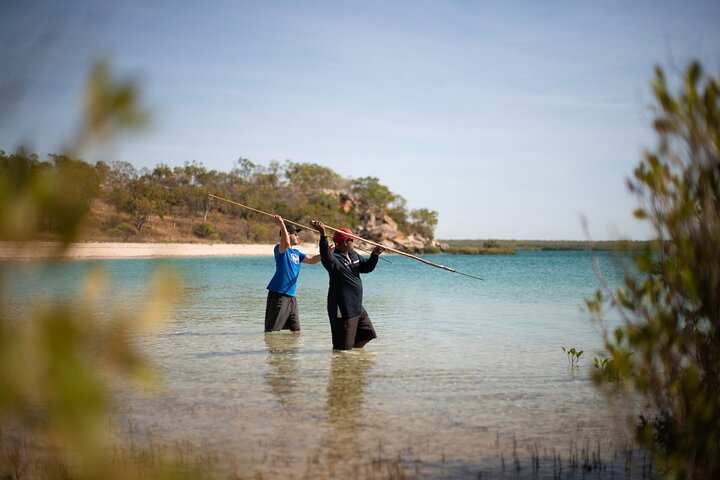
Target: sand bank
<point x="37" y="250"/>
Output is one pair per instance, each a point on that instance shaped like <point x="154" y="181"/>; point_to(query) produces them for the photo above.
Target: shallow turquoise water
<point x="461" y="368"/>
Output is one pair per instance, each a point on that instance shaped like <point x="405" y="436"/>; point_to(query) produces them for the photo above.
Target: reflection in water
<point x="345" y="408"/>
<point x="281" y="442"/>
<point x="282" y="370"/>
<point x="345" y="386"/>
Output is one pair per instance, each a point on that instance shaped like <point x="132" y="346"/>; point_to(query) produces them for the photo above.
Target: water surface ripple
<point x="462" y="373"/>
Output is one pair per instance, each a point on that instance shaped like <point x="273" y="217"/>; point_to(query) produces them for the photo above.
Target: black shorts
<point x="351" y="332"/>
<point x="281" y="313"/>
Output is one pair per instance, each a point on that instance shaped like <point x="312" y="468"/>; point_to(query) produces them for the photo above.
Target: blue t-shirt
<point x="287" y="269"/>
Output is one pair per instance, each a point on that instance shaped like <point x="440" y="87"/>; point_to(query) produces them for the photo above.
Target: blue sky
<point x="510" y="119"/>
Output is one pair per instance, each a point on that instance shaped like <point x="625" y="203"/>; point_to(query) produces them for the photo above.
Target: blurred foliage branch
<point x="111" y="106"/>
<point x="59" y="358"/>
<point x="666" y="352"/>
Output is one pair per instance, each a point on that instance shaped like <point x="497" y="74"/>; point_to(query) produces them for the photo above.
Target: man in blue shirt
<point x="281" y="311"/>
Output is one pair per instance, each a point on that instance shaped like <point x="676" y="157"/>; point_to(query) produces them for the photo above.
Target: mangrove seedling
<point x="573" y="356"/>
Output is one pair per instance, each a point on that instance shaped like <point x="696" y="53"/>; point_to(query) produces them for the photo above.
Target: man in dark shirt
<point x="349" y="322"/>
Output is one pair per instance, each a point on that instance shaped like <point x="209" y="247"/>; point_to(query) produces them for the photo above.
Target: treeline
<point x="132" y="204"/>
<point x="512" y="246"/>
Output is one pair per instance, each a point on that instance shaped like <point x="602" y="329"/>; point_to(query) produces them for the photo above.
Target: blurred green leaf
<point x="667" y="351"/>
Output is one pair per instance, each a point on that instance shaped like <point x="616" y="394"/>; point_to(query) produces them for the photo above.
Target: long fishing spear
<point x="285" y="220"/>
<point x="399" y="252"/>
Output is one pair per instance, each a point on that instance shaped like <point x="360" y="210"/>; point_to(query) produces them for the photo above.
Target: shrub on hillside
<point x="259" y="232"/>
<point x="124" y="230"/>
<point x="207" y="231"/>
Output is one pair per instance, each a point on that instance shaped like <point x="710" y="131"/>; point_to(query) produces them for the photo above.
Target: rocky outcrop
<point x="384" y="230"/>
<point x="381" y="228"/>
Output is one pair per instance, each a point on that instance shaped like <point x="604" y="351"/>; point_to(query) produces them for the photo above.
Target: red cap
<point x="339" y="237"/>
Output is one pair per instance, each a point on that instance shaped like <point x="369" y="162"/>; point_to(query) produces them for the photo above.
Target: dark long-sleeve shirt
<point x="346" y="290"/>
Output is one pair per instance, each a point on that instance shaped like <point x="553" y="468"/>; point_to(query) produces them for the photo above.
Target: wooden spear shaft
<point x="284" y="220"/>
<point x="399" y="252"/>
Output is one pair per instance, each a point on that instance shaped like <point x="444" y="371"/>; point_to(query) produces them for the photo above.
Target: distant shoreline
<point x="479" y="247"/>
<point x="113" y="250"/>
<point x="117" y="250"/>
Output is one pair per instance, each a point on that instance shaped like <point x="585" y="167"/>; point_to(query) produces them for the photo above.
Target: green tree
<point x="243" y="170"/>
<point x="424" y="222"/>
<point x="144" y="198"/>
<point x="78" y="183"/>
<point x="163" y="173"/>
<point x="398" y="212"/>
<point x="270" y="176"/>
<point x="103" y="170"/>
<point x="122" y="172"/>
<point x="80" y="180"/>
<point x="192" y="173"/>
<point x="666" y="352"/>
<point x="45" y="196"/>
<point x="310" y="177"/>
<point x="372" y="194"/>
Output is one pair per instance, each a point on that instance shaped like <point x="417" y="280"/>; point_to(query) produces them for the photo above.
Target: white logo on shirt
<point x="295" y="258"/>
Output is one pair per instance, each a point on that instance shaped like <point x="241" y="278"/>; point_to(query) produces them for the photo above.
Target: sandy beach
<point x="39" y="250"/>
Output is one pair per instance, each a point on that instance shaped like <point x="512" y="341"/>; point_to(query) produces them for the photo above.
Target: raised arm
<point x="325" y="250"/>
<point x="317" y="258"/>
<point x="284" y="235"/>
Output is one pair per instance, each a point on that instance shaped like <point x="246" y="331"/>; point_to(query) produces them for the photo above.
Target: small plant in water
<point x="606" y="369"/>
<point x="573" y="356"/>
<point x="602" y="366"/>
